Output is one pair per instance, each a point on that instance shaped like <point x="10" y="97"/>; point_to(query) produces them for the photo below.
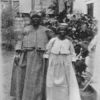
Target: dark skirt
<point x="29" y="77"/>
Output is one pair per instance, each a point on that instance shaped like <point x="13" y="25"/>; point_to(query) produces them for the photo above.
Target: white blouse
<point x="57" y="46"/>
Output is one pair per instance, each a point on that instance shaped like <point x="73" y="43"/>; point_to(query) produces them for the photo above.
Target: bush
<point x="8" y="35"/>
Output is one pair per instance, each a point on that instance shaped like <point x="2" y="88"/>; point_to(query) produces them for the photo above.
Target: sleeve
<point x="50" y="44"/>
<point x="50" y="33"/>
<point x="92" y="44"/>
<point x="48" y="47"/>
<point x="72" y="51"/>
<point x="18" y="45"/>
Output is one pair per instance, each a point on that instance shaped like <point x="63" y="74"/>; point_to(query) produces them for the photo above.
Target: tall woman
<point x="30" y="77"/>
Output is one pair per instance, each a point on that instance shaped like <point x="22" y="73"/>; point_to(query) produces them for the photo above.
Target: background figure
<point x="95" y="45"/>
<point x="61" y="79"/>
<point x="90" y="57"/>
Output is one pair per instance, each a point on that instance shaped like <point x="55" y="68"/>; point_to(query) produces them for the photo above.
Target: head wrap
<point x="35" y="14"/>
<point x="63" y="25"/>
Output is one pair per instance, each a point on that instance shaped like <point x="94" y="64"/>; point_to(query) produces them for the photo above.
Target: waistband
<point x="68" y="54"/>
<point x="33" y="48"/>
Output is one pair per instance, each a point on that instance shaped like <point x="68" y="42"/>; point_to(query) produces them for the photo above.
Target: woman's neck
<point x="61" y="37"/>
<point x="36" y="27"/>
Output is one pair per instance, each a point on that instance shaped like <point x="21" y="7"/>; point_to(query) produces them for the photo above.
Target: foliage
<point x="8" y="34"/>
<point x="7" y="18"/>
<point x="54" y="8"/>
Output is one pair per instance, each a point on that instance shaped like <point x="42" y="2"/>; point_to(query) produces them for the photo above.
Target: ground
<point x="7" y="72"/>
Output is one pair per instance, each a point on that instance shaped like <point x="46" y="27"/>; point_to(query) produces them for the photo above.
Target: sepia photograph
<point x="49" y="50"/>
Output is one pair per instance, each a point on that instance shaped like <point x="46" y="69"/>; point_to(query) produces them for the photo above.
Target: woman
<point x="61" y="80"/>
<point x="30" y="75"/>
<point x="90" y="57"/>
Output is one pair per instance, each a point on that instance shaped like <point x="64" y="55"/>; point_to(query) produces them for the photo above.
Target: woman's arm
<point x="50" y="33"/>
<point x="92" y="44"/>
<point x="49" y="47"/>
<point x="72" y="51"/>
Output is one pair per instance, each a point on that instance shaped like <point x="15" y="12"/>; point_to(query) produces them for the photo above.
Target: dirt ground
<point x="7" y="72"/>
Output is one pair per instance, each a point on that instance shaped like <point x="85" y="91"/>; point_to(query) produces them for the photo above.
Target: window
<point x="90" y="8"/>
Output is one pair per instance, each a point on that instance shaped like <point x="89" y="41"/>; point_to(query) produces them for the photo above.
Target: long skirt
<point x="28" y="79"/>
<point x="61" y="80"/>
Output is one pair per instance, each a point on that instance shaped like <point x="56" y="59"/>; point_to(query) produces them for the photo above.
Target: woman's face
<point x="36" y="21"/>
<point x="62" y="32"/>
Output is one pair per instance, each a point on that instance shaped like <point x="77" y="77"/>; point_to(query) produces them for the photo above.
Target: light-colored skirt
<point x="61" y="80"/>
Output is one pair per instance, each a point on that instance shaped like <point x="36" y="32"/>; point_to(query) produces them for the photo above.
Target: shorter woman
<point x="61" y="79"/>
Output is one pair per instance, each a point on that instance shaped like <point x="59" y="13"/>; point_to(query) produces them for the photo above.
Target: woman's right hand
<point x="16" y="58"/>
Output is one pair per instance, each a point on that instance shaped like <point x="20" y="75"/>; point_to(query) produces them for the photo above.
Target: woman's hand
<point x="17" y="58"/>
<point x="46" y="56"/>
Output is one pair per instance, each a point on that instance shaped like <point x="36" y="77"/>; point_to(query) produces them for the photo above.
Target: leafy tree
<point x="8" y="34"/>
<point x="54" y="8"/>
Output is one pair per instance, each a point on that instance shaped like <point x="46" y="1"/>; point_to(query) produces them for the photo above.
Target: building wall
<point x="81" y="6"/>
<point x="4" y="5"/>
<point x="37" y="5"/>
<point x="26" y="6"/>
<point x="96" y="6"/>
<point x="14" y="4"/>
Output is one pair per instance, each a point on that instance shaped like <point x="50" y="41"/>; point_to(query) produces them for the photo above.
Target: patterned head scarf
<point x="35" y="14"/>
<point x="62" y="26"/>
